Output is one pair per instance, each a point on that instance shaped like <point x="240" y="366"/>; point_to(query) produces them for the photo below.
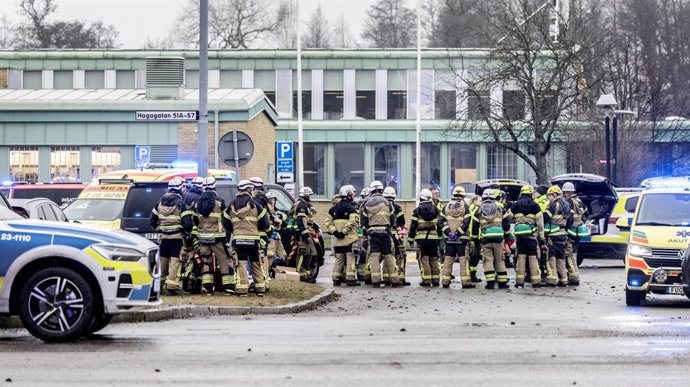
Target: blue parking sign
<point x="284" y="150"/>
<point x="142" y="154"/>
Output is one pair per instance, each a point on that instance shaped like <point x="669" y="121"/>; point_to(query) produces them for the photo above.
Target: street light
<point x="607" y="102"/>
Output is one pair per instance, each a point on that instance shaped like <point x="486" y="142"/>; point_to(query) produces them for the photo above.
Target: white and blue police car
<point x="67" y="280"/>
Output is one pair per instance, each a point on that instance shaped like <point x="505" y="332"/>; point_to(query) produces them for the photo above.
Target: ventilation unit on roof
<point x="164" y="77"/>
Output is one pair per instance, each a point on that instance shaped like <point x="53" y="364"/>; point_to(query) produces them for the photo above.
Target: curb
<point x="193" y="311"/>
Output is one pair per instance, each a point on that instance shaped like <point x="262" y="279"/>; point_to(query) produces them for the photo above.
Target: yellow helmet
<point x="459" y="191"/>
<point x="526" y="190"/>
<point x="554" y="189"/>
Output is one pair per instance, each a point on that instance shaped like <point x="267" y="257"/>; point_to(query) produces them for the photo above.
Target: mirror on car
<point x="623" y="223"/>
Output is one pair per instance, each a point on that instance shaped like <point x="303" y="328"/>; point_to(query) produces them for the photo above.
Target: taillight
<point x="613" y="220"/>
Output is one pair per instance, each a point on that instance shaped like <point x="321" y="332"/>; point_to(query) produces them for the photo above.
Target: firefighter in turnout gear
<point x="542" y="201"/>
<point x="303" y="213"/>
<point x="191" y="263"/>
<point x="245" y="219"/>
<point x="342" y="223"/>
<point x="529" y="231"/>
<point x="261" y="199"/>
<point x="473" y="247"/>
<point x="211" y="239"/>
<point x="576" y="231"/>
<point x="492" y="223"/>
<point x="362" y="249"/>
<point x="557" y="219"/>
<point x="425" y="230"/>
<point x="172" y="220"/>
<point x="455" y="219"/>
<point x="398" y="231"/>
<point x="275" y="243"/>
<point x="378" y="216"/>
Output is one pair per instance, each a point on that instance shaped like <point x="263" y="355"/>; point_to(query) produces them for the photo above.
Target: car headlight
<point x="119" y="253"/>
<point x="639" y="251"/>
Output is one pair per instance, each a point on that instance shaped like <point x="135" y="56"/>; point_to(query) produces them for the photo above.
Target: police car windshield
<point x="7" y="214"/>
<point x="664" y="209"/>
<point x="95" y="209"/>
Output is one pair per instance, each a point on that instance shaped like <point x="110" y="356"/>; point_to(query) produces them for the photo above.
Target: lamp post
<point x="607" y="102"/>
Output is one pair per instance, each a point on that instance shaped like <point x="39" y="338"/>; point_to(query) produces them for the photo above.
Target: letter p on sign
<point x="284" y="150"/>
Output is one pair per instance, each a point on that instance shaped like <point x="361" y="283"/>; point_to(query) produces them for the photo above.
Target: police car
<point x="66" y="280"/>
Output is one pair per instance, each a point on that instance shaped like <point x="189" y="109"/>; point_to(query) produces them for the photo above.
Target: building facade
<point x="359" y="109"/>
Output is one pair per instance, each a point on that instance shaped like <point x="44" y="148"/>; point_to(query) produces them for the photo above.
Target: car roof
<point x="672" y="190"/>
<point x="29" y="203"/>
<point x="580" y="177"/>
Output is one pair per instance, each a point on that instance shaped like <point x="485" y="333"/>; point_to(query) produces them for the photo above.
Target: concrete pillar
<point x="481" y="162"/>
<point x="127" y="157"/>
<point x="368" y="164"/>
<point x="330" y="170"/>
<point x="85" y="163"/>
<point x="406" y="164"/>
<point x="445" y="170"/>
<point x="44" y="164"/>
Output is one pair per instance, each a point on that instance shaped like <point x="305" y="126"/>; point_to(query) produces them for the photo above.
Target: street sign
<point x="235" y="147"/>
<point x="284" y="150"/>
<point x="285" y="177"/>
<point x="142" y="155"/>
<point x="284" y="166"/>
<point x="179" y="115"/>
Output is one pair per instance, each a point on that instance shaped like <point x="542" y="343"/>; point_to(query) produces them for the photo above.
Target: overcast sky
<point x="137" y="20"/>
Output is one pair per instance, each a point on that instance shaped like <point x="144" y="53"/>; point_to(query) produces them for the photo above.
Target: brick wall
<point x="260" y="129"/>
<point x="3" y="78"/>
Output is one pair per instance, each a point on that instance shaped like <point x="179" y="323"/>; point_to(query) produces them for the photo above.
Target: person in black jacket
<point x="425" y="230"/>
<point x="529" y="231"/>
<point x="342" y="222"/>
<point x="491" y="223"/>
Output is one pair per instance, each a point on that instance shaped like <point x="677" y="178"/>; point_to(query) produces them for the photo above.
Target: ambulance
<point x="657" y="243"/>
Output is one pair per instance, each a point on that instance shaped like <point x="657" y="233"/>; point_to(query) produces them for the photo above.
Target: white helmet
<point x="365" y="192"/>
<point x="389" y="193"/>
<point x="376" y="185"/>
<point x="305" y="192"/>
<point x="346" y="191"/>
<point x="424" y="195"/>
<point x="568" y="187"/>
<point x="488" y="194"/>
<point x="270" y="195"/>
<point x="245" y="185"/>
<point x="175" y="185"/>
<point x="257" y="181"/>
<point x="210" y="183"/>
<point x="198" y="182"/>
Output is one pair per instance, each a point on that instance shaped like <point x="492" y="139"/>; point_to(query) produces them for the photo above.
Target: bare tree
<point x="7" y="33"/>
<point x="456" y="23"/>
<point x="161" y="43"/>
<point x="342" y="35"/>
<point x="389" y="24"/>
<point x="541" y="73"/>
<point x="317" y="34"/>
<point x="231" y="23"/>
<point x="286" y="31"/>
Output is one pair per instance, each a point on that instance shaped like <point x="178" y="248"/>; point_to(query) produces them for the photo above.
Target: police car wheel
<point x="56" y="304"/>
<point x="634" y="297"/>
<point x="100" y="322"/>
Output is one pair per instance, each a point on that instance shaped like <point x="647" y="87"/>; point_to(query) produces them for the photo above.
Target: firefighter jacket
<point x="342" y="218"/>
<point x="490" y="223"/>
<point x="399" y="216"/>
<point x="469" y="223"/>
<point x="578" y="210"/>
<point x="170" y="217"/>
<point x="245" y="219"/>
<point x="453" y="220"/>
<point x="529" y="220"/>
<point x="208" y="218"/>
<point x="191" y="196"/>
<point x="303" y="213"/>
<point x="378" y="214"/>
<point x="557" y="218"/>
<point x="425" y="228"/>
<point x="543" y="202"/>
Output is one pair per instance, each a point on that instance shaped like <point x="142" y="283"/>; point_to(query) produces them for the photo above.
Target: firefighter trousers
<point x="222" y="260"/>
<point x="571" y="248"/>
<point x="494" y="263"/>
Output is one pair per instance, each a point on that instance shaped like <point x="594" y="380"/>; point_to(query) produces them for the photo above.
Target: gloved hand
<point x="339" y="234"/>
<point x="452" y="236"/>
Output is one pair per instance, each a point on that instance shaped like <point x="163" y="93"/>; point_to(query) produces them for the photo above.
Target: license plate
<point x="157" y="285"/>
<point x="675" y="290"/>
<point x="151" y="236"/>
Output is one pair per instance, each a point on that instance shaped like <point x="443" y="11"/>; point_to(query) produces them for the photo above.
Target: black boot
<point x="353" y="283"/>
<point x="474" y="278"/>
<point x="469" y="286"/>
<point x="490" y="284"/>
<point x="503" y="285"/>
<point x="336" y="283"/>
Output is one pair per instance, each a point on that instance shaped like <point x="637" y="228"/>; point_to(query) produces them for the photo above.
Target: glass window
<point x="105" y="159"/>
<point x="59" y="215"/>
<point x="124" y="79"/>
<point x="387" y="165"/>
<point x="24" y="164"/>
<point x="430" y="165"/>
<point x="266" y="81"/>
<point x="397" y="104"/>
<point x="463" y="166"/>
<point x="284" y="93"/>
<point x="548" y="106"/>
<point x="478" y="104"/>
<point x="32" y="80"/>
<point x="64" y="164"/>
<point x="283" y="201"/>
<point x="349" y="165"/>
<point x="62" y="79"/>
<point x="444" y="105"/>
<point x="94" y="79"/>
<point x="502" y="163"/>
<point x="49" y="214"/>
<point x="40" y="214"/>
<point x="332" y="105"/>
<point x="514" y="104"/>
<point x="366" y="104"/>
<point x="426" y="94"/>
<point x="306" y="104"/>
<point x="315" y="167"/>
<point x="95" y="209"/>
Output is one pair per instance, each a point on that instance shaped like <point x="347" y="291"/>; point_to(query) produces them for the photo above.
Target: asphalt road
<point x="410" y="336"/>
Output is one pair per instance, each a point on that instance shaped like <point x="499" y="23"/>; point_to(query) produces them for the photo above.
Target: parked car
<point x="510" y="186"/>
<point x="685" y="273"/>
<point x="599" y="195"/>
<point x="67" y="280"/>
<point x="38" y="208"/>
<point x="60" y="194"/>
